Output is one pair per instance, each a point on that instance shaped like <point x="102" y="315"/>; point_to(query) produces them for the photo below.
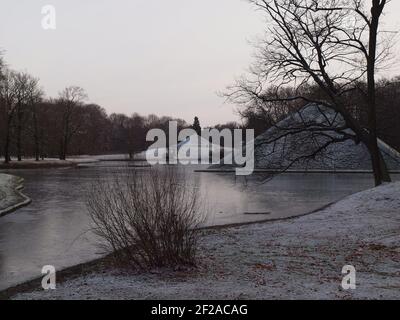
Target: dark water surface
<point x="54" y="228"/>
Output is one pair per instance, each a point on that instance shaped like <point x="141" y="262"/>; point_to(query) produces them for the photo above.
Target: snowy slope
<point x="280" y="147"/>
<point x="288" y="146"/>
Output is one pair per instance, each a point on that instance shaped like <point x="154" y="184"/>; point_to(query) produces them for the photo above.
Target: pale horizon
<point x="138" y="56"/>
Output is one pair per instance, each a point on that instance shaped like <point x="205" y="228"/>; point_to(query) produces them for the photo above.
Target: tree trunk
<point x="20" y="116"/>
<point x="7" y="148"/>
<point x="64" y="140"/>
<point x="378" y="164"/>
<point x="64" y="148"/>
<point x="19" y="147"/>
<point x="36" y="136"/>
<point x="37" y="150"/>
<point x="7" y="157"/>
<point x="381" y="173"/>
<point x="62" y="154"/>
<point x="385" y="170"/>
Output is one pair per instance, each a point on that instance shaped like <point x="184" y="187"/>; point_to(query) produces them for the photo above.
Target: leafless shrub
<point x="147" y="218"/>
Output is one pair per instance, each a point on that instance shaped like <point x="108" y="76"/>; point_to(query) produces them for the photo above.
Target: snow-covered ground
<point x="10" y="197"/>
<point x="300" y="258"/>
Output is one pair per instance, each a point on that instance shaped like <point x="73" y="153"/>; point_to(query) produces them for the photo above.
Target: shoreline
<point x="74" y="271"/>
<point x="297" y="257"/>
<point x="97" y="264"/>
<point x="43" y="164"/>
<point x="62" y="276"/>
<point x="14" y="197"/>
<point x="311" y="171"/>
<point x="83" y="268"/>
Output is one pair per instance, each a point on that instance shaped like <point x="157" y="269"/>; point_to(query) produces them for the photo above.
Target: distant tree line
<point x="33" y="126"/>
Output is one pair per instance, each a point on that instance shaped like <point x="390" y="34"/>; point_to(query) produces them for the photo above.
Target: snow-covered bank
<point x="300" y="258"/>
<point x="48" y="163"/>
<point x="72" y="161"/>
<point x="32" y="164"/>
<point x="10" y="196"/>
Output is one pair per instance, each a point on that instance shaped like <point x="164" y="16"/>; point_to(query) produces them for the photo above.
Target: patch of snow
<point x="300" y="258"/>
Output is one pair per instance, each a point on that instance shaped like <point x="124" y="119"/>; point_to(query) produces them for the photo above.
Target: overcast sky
<point x="167" y="57"/>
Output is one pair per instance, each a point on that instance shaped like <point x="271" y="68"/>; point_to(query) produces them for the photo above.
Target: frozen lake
<point x="54" y="228"/>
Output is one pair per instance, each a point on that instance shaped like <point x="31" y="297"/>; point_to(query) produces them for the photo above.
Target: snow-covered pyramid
<point x="288" y="146"/>
<point x="193" y="148"/>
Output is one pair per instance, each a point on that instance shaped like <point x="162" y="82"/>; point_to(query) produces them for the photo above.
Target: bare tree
<point x="9" y="100"/>
<point x="27" y="94"/>
<point x="2" y="111"/>
<point x="137" y="134"/>
<point x="333" y="44"/>
<point x="1" y="66"/>
<point x="34" y="96"/>
<point x="20" y="92"/>
<point x="70" y="100"/>
<point x="95" y="135"/>
<point x="148" y="218"/>
<point x="120" y="125"/>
